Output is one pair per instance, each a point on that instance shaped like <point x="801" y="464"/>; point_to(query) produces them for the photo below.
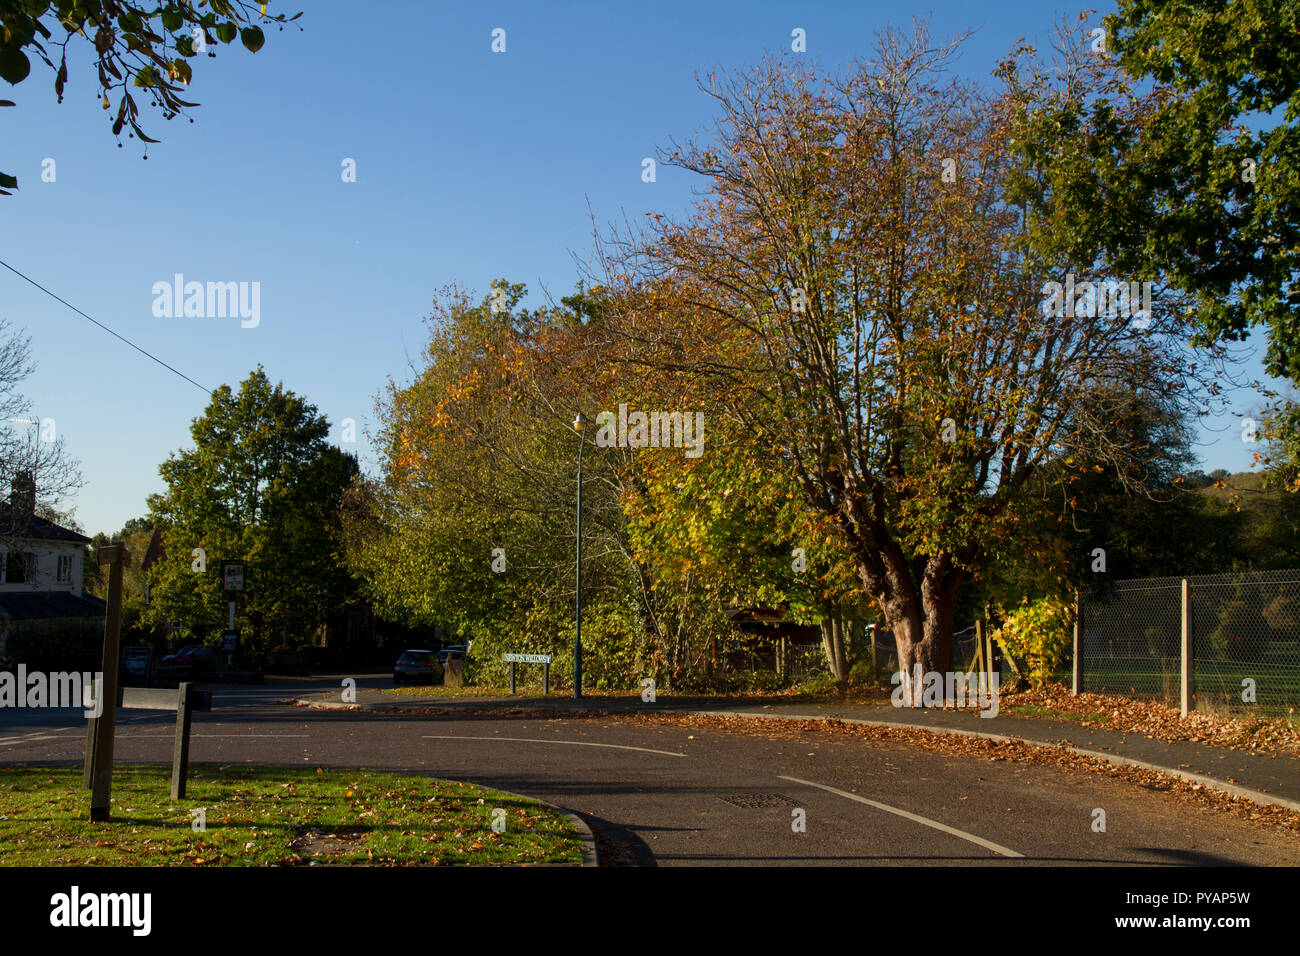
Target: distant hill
<point x="1268" y="519"/>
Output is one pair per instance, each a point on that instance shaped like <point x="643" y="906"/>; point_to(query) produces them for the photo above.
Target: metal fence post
<point x="1186" y="654"/>
<point x="1076" y="676"/>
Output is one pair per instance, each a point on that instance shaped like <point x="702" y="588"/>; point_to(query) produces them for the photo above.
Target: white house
<point x="41" y="564"/>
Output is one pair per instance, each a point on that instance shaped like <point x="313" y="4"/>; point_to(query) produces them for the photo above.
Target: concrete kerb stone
<point x="590" y="856"/>
<point x="585" y="837"/>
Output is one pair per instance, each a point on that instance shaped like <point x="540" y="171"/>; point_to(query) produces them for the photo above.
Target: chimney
<point x="22" y="495"/>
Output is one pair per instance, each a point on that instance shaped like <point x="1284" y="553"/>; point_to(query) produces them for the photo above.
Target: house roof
<point x="756" y="615"/>
<point x="32" y="605"/>
<point x="15" y="524"/>
<point x="768" y="622"/>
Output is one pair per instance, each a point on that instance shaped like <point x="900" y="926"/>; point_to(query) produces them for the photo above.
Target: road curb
<point x="586" y="838"/>
<point x="590" y="855"/>
<point x="1210" y="783"/>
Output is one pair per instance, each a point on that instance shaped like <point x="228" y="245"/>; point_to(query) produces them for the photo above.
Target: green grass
<point x="268" y="816"/>
<point x="1277" y="690"/>
<point x="1034" y="710"/>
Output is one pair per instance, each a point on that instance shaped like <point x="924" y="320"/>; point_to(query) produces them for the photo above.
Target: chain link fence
<point x="1245" y="638"/>
<point x="805" y="660"/>
<point x="963" y="649"/>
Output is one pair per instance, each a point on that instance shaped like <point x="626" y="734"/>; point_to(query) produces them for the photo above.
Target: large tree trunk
<point x="918" y="596"/>
<point x="922" y="620"/>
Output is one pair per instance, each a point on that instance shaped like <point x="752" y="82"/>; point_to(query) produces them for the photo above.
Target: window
<point x="65" y="569"/>
<point x="19" y="567"/>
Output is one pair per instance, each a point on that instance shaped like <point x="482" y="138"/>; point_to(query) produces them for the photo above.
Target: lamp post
<point x="580" y="426"/>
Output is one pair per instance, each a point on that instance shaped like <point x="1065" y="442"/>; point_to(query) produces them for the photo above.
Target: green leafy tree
<point x="1169" y="150"/>
<point x="141" y="46"/>
<point x="1279" y="531"/>
<point x="136" y="535"/>
<point x="261" y="484"/>
<point x="471" y="522"/>
<point x="744" y="535"/>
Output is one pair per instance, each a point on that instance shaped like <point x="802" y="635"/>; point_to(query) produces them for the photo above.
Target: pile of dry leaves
<point x="1155" y="719"/>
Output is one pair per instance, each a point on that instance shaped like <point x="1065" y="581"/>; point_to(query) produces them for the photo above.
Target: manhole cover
<point x="756" y="801"/>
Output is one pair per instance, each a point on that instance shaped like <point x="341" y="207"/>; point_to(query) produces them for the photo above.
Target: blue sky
<point x="469" y="165"/>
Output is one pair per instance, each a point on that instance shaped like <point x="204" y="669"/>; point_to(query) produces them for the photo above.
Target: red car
<point x="192" y="659"/>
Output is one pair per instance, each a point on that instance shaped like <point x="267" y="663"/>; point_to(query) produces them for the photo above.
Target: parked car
<point x="456" y="650"/>
<point x="192" y="659"/>
<point x="183" y="652"/>
<point x="418" y="666"/>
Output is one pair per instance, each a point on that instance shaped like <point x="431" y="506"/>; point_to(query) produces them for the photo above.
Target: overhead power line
<point x="115" y="335"/>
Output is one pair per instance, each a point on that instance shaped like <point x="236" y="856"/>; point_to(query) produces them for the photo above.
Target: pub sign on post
<point x="232" y="577"/>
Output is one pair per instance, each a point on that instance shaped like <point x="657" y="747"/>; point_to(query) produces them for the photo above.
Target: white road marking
<point x="43" y="735"/>
<point x="924" y="821"/>
<point x="30" y="738"/>
<point x="535" y="740"/>
<point x="55" y="733"/>
<point x="172" y="736"/>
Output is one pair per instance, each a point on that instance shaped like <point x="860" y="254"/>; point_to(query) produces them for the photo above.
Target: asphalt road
<point x="693" y="795"/>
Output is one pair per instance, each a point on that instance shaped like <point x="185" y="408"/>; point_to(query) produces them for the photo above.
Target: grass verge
<point x="272" y="816"/>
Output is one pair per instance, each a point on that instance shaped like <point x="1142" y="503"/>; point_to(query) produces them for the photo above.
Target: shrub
<point x="863" y="671"/>
<point x="1241" y="633"/>
<point x="1038" y="633"/>
<point x="739" y="682"/>
<point x="1163" y="641"/>
<point x="819" y="684"/>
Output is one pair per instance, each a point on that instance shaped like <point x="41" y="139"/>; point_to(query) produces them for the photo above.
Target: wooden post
<point x="101" y="785"/>
<point x="512" y="678"/>
<point x="996" y="657"/>
<point x="88" y="772"/>
<point x="546" y="679"/>
<point x="181" y="750"/>
<point x="1076" y="676"/>
<point x="1187" y="702"/>
<point x="979" y="664"/>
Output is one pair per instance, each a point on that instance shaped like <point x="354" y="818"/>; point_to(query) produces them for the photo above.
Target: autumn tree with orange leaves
<point x="852" y="292"/>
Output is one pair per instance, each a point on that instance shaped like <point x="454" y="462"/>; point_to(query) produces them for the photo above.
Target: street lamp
<point x="580" y="426"/>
